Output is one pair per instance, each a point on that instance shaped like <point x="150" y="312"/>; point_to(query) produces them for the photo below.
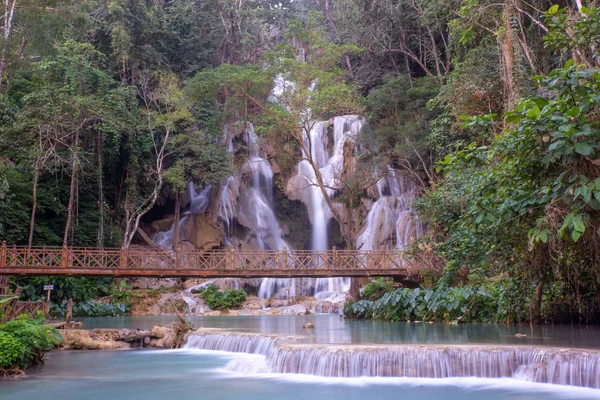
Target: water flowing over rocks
<point x="285" y="354"/>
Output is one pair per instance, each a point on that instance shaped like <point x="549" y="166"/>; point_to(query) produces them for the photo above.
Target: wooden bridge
<point x="77" y="261"/>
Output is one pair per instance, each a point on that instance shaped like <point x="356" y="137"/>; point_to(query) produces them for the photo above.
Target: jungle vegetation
<point x="109" y="107"/>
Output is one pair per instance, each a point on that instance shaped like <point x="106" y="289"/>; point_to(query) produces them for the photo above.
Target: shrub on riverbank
<point x="222" y="300"/>
<point x="91" y="309"/>
<point x="23" y="343"/>
<point x="464" y="304"/>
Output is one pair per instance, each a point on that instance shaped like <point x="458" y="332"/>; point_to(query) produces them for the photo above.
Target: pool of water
<point x="200" y="375"/>
<point x="336" y="330"/>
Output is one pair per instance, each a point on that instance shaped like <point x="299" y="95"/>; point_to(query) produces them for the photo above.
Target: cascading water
<point x="391" y="216"/>
<point x="199" y="199"/>
<point x="280" y="355"/>
<point x="330" y="161"/>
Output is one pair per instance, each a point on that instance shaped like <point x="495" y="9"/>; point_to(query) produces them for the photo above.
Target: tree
<point x="74" y="102"/>
<point x="165" y="112"/>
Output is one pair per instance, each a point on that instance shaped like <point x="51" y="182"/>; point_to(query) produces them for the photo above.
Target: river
<point x="202" y="374"/>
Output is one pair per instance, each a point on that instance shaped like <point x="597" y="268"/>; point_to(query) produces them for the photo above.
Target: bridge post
<point x="178" y="257"/>
<point x="230" y="258"/>
<point x="284" y="257"/>
<point x="64" y="257"/>
<point x="122" y="258"/>
<point x="384" y="261"/>
<point x="3" y="254"/>
<point x="334" y="262"/>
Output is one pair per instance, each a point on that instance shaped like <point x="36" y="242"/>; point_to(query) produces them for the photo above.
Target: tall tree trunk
<point x="176" y="221"/>
<point x="511" y="90"/>
<point x="536" y="317"/>
<point x="99" y="156"/>
<point x="36" y="178"/>
<point x="9" y="13"/>
<point x="71" y="206"/>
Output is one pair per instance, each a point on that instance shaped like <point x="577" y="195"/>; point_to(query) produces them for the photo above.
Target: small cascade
<point x="251" y="343"/>
<point x="199" y="199"/>
<point x="535" y="364"/>
<point x="391" y="216"/>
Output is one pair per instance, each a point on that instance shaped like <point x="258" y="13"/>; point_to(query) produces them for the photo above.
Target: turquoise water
<point x="199" y="375"/>
<point x="333" y="329"/>
<point x="202" y="375"/>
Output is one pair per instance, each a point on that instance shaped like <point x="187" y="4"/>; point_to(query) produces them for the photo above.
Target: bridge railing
<point x="81" y="258"/>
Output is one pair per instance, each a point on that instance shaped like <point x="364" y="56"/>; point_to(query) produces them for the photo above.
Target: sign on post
<point x="47" y="310"/>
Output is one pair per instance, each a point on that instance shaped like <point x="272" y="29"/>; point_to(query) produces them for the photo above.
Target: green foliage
<point x="24" y="341"/>
<point x="399" y="117"/>
<point x="465" y="304"/>
<point x="78" y="289"/>
<point x="376" y="288"/>
<point x="91" y="309"/>
<point x="576" y="32"/>
<point x="222" y="300"/>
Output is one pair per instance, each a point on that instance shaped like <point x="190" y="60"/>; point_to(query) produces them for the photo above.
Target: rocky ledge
<point x="114" y="339"/>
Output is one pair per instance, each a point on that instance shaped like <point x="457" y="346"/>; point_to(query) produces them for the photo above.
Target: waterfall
<point x="329" y="158"/>
<point x="536" y="364"/>
<point x="198" y="204"/>
<point x="391" y="215"/>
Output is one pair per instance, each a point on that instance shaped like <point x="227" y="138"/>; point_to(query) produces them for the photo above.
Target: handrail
<point x="45" y="260"/>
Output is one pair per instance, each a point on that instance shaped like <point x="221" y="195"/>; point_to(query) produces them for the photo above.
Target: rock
<point x="274" y="311"/>
<point x="520" y="335"/>
<point x="163" y="224"/>
<point x="308" y="325"/>
<point x="112" y="339"/>
<point x="160" y="332"/>
<point x="202" y="232"/>
<point x="153" y="283"/>
<point x="252" y="303"/>
<point x="188" y="283"/>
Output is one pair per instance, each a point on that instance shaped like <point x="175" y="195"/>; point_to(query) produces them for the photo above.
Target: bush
<point x="91" y="309"/>
<point x="24" y="341"/>
<point x="376" y="288"/>
<point x="217" y="300"/>
<point x="465" y="304"/>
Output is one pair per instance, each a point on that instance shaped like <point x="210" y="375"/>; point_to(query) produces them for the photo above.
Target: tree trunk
<point x="36" y="178"/>
<point x="99" y="152"/>
<point x="9" y="13"/>
<point x="72" y="193"/>
<point x="176" y="221"/>
<point x="536" y="317"/>
<point x="511" y="92"/>
<point x="354" y="291"/>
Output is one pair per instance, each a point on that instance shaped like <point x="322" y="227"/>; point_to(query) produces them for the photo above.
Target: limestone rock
<point x="252" y="303"/>
<point x="162" y="224"/>
<point x="202" y="232"/>
<point x="153" y="283"/>
<point x="308" y="325"/>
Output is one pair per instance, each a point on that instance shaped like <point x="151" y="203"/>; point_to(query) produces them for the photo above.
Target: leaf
<point x="578" y="224"/>
<point x="584" y="148"/>
<point x="576" y="235"/>
<point x="534" y="113"/>
<point x="553" y="9"/>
